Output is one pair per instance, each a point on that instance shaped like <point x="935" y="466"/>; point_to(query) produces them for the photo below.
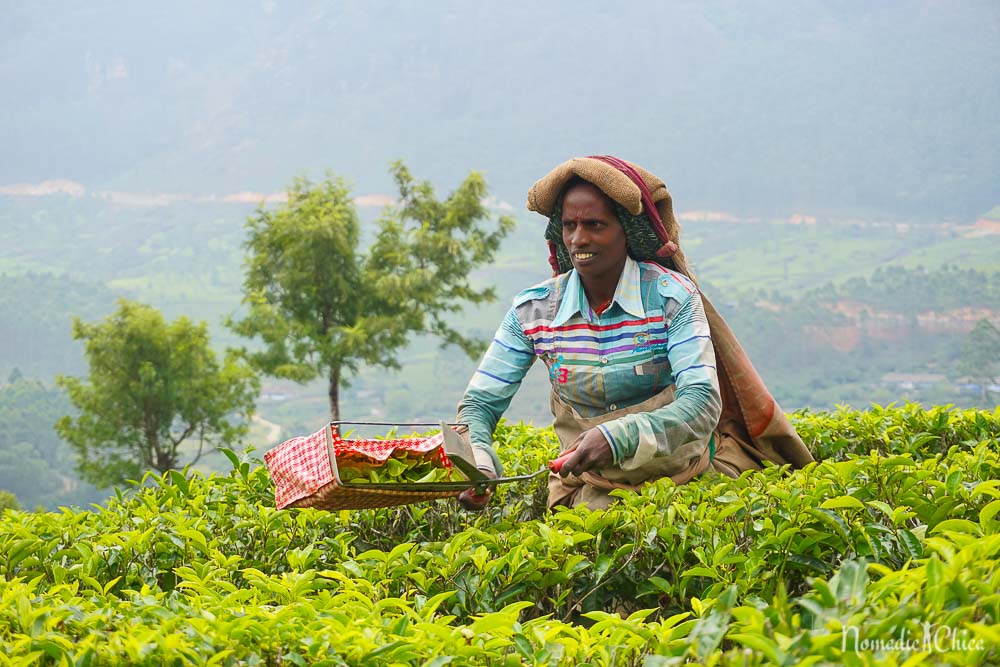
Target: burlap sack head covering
<point x="640" y="199"/>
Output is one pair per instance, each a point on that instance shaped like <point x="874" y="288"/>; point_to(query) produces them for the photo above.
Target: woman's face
<point x="593" y="235"/>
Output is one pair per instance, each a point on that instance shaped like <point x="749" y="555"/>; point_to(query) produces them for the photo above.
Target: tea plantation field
<point x="887" y="552"/>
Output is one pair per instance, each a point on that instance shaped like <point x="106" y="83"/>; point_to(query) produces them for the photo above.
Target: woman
<point x="647" y="381"/>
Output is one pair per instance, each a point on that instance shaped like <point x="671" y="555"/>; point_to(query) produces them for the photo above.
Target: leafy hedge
<point x="906" y="429"/>
<point x="899" y="527"/>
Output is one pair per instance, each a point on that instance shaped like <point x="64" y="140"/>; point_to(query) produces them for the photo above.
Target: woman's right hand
<point x="591" y="450"/>
<point x="476" y="502"/>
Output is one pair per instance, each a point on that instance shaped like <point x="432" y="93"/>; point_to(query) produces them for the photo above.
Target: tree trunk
<point x="166" y="462"/>
<point x="158" y="459"/>
<point x="334" y="393"/>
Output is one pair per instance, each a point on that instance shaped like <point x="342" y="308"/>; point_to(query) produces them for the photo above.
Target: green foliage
<point x="401" y="467"/>
<point x="185" y="259"/>
<point x="829" y="357"/>
<point x="152" y="386"/>
<point x="8" y="501"/>
<point x="321" y="305"/>
<point x="908" y="429"/>
<point x="781" y="563"/>
<point x="919" y="290"/>
<point x="35" y="464"/>
<point x="36" y="312"/>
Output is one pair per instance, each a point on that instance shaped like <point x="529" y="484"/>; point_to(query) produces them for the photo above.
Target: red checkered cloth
<point x="303" y="475"/>
<point x="379" y="451"/>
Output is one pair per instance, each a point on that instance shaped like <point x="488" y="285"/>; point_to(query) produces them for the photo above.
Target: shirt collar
<point x="627" y="295"/>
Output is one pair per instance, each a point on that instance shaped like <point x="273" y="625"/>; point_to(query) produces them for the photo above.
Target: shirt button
<point x="613" y="406"/>
<point x="604" y="360"/>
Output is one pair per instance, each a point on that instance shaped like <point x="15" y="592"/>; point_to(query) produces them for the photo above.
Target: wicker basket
<point x="306" y="474"/>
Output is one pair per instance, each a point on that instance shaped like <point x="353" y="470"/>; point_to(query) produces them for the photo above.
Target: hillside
<point x="767" y="276"/>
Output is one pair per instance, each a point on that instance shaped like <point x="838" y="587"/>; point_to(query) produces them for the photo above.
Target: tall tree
<point x="323" y="306"/>
<point x="980" y="357"/>
<point x="152" y="387"/>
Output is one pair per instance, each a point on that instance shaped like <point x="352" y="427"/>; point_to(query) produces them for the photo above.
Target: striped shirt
<point x="653" y="335"/>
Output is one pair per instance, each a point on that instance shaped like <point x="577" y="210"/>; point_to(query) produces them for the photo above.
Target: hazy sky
<point x="889" y="107"/>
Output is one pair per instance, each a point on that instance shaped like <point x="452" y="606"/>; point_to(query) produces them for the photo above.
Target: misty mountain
<point x="840" y="107"/>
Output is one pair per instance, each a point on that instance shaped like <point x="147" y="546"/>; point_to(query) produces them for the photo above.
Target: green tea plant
<point x="904" y="429"/>
<point x="851" y="560"/>
<point x="396" y="469"/>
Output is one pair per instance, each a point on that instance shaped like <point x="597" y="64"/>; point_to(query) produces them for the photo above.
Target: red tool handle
<point x="557" y="464"/>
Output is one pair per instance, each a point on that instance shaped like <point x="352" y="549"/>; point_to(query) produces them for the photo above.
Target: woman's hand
<point x="473" y="501"/>
<point x="590" y="450"/>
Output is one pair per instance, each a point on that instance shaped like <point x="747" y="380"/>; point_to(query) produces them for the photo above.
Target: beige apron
<point x="686" y="462"/>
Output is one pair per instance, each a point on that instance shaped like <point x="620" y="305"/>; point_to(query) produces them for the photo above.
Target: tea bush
<point x="857" y="559"/>
<point x="905" y="429"/>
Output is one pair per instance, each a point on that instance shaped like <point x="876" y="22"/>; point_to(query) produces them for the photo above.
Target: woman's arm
<point x="492" y="387"/>
<point x="697" y="404"/>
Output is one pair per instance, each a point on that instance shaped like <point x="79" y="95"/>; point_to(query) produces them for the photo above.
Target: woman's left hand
<point x="590" y="450"/>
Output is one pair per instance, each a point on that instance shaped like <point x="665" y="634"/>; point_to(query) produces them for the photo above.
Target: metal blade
<point x="460" y="454"/>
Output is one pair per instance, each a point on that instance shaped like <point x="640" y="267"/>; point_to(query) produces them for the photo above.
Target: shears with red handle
<point x="556" y="465"/>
